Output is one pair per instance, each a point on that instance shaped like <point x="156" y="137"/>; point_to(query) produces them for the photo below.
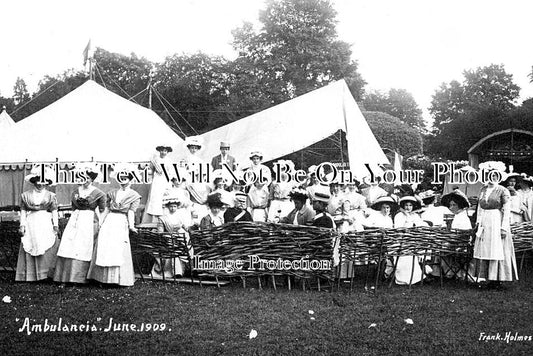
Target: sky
<point x="409" y="44"/>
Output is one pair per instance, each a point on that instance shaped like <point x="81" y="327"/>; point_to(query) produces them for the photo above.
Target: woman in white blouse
<point x="38" y="227"/>
<point x="408" y="272"/>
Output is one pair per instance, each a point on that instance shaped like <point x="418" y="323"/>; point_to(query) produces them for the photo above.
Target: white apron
<point x="39" y="235"/>
<point x="488" y="245"/>
<point x="112" y="238"/>
<point x="159" y="185"/>
<point x="78" y="239"/>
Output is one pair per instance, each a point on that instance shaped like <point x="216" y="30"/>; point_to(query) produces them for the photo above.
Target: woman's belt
<point x="119" y="212"/>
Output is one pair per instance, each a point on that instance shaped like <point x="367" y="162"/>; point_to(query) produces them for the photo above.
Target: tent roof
<point x="89" y="123"/>
<point x="6" y="122"/>
<point x="298" y="123"/>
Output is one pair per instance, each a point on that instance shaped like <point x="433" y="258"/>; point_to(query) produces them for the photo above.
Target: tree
<point x="484" y="87"/>
<point x="20" y="92"/>
<point x="296" y="50"/>
<point x="465" y="112"/>
<point x="398" y="103"/>
<point x="8" y="103"/>
<point x="49" y="90"/>
<point x="194" y="85"/>
<point x="391" y="133"/>
<point x="126" y="76"/>
<point x="447" y="104"/>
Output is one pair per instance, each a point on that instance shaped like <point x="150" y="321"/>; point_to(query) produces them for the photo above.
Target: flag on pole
<point x="86" y="53"/>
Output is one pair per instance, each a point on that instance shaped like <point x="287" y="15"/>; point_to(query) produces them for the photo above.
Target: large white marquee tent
<point x="90" y="123"/>
<point x="299" y="123"/>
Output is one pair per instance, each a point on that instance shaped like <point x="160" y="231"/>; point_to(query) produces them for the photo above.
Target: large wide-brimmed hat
<point x="219" y="200"/>
<point x="458" y="197"/>
<point x="164" y="147"/>
<point x="321" y="196"/>
<point x="35" y="175"/>
<point x="427" y="196"/>
<point x="193" y="141"/>
<point x="410" y="199"/>
<point x="241" y="197"/>
<point x="528" y="180"/>
<point x="298" y="194"/>
<point x="256" y="154"/>
<point x="384" y="200"/>
<point x="493" y="166"/>
<point x="507" y="176"/>
<point x="172" y="199"/>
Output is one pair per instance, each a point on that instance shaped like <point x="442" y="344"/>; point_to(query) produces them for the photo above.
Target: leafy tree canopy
<point x="398" y="103"/>
<point x="393" y="134"/>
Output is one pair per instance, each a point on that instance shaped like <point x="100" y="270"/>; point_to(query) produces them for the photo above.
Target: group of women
<point x="95" y="243"/>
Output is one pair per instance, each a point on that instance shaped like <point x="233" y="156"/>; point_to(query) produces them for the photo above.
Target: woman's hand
<point x="133" y="229"/>
<point x="503" y="233"/>
<point x="22" y="229"/>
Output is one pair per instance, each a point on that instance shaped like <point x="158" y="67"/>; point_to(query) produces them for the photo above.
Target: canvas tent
<point x="90" y="123"/>
<point x="297" y="124"/>
<point x="6" y="122"/>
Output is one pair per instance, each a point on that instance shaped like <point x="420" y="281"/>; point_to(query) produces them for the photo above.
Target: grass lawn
<point x="208" y="320"/>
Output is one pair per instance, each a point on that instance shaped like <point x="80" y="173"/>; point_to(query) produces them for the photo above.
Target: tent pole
<point x="340" y="145"/>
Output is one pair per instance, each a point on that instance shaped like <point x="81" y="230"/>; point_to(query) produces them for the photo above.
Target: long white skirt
<point x="112" y="261"/>
<point x="154" y="205"/>
<point x="488" y="245"/>
<point x="405" y="269"/>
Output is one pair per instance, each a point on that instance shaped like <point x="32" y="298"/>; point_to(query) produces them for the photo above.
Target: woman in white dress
<point x="280" y="202"/>
<point x="493" y="249"/>
<point x="526" y="185"/>
<point x="381" y="215"/>
<point x="160" y="161"/>
<point x="111" y="261"/>
<point x="408" y="272"/>
<point x="177" y="220"/>
<point x="76" y="247"/>
<point x="357" y="202"/>
<point x="458" y="205"/>
<point x="516" y="204"/>
<point x="197" y="185"/>
<point x="38" y="227"/>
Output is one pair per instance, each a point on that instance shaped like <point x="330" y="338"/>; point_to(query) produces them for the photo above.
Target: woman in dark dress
<point x="76" y="248"/>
